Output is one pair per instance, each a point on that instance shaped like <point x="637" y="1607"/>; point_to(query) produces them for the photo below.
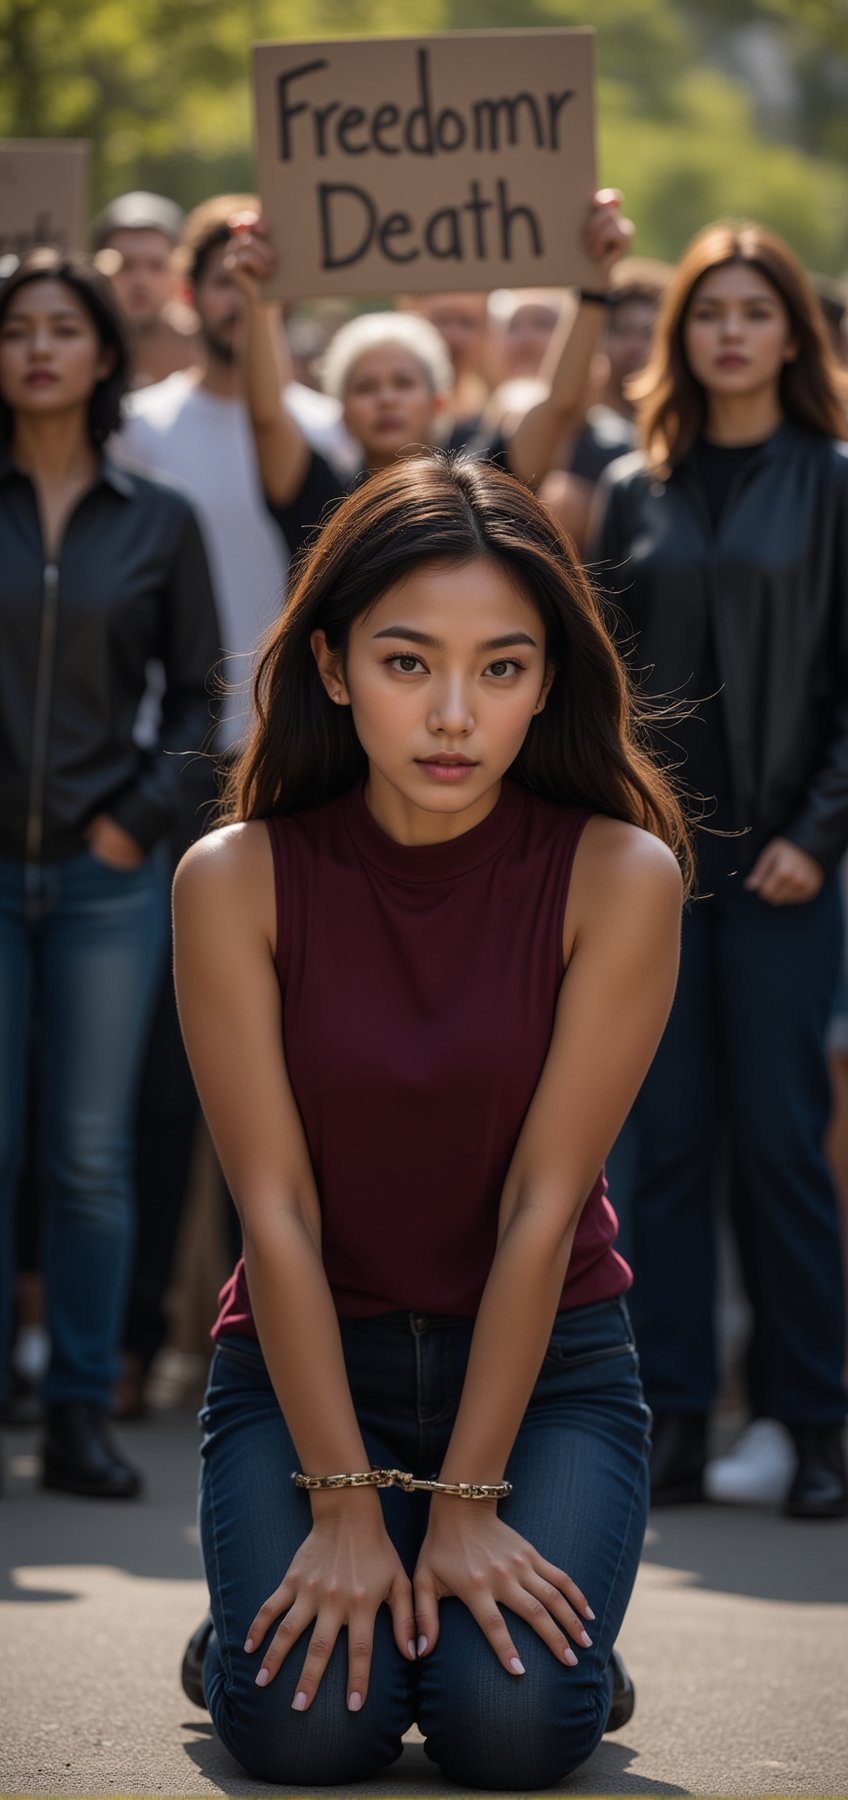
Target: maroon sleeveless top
<point x="419" y="988"/>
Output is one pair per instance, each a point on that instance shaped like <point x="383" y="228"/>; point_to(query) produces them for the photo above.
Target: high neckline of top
<point x="435" y="862"/>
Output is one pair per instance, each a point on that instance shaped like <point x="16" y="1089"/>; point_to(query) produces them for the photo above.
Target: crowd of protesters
<point x="161" y="464"/>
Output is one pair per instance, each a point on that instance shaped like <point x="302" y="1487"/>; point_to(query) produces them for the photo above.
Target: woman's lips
<point x="40" y="378"/>
<point x="732" y="361"/>
<point x="445" y="771"/>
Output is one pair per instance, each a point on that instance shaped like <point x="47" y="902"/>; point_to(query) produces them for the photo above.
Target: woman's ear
<point x="329" y="668"/>
<point x="546" y="688"/>
<point x="105" y="364"/>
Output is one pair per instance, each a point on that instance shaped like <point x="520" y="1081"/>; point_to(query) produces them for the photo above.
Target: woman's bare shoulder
<point x="228" y="871"/>
<point x="613" y="848"/>
<point x="622" y="875"/>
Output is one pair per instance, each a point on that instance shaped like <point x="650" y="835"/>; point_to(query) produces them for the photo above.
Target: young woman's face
<point x="389" y="403"/>
<point x="444" y="676"/>
<point x="51" y="357"/>
<point x="737" y="335"/>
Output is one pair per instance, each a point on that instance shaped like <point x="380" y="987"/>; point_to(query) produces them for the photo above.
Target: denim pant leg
<point x="103" y="940"/>
<point x="777" y="970"/>
<point x="15" y="991"/>
<point x="252" y="1520"/>
<point x="580" y="1495"/>
<point x="674" y="1126"/>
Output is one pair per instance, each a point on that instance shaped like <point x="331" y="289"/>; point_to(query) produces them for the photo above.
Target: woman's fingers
<point x="493" y="1625"/>
<point x="296" y="1621"/>
<point x="426" y="1615"/>
<point x="558" y="1579"/>
<point x="401" y="1606"/>
<point x="559" y="1609"/>
<point x="360" y="1635"/>
<point x="278" y="1602"/>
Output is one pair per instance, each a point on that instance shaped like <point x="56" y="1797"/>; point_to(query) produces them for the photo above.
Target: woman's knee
<point x="531" y="1735"/>
<point x="324" y="1746"/>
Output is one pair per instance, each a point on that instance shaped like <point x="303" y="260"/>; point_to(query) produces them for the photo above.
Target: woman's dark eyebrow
<point x="58" y="312"/>
<point x="431" y="643"/>
<point x="743" y="299"/>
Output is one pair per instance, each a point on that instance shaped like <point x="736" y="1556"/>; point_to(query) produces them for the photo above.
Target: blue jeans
<point x="745" y="1042"/>
<point x="81" y="947"/>
<point x="579" y="1474"/>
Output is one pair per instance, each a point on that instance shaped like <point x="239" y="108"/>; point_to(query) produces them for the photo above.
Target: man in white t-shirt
<point x="194" y="428"/>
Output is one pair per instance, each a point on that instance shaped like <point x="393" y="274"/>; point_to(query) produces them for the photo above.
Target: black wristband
<point x="593" y="297"/>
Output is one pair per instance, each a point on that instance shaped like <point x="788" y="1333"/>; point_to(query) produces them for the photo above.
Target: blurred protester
<point x="195" y="429"/>
<point x="462" y="320"/>
<point x="635" y="298"/>
<point x="832" y="297"/>
<point x="100" y="571"/>
<point x="522" y="322"/>
<point x="601" y="428"/>
<point x="725" y="544"/>
<point x="391" y="374"/>
<point x="134" y="241"/>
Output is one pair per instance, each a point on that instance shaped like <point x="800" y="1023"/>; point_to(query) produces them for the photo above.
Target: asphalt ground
<point x="737" y="1639"/>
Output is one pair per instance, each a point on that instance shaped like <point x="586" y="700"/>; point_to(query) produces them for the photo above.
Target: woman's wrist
<point x="359" y="1504"/>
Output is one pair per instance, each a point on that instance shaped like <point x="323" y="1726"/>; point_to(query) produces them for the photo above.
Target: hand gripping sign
<point x="460" y="161"/>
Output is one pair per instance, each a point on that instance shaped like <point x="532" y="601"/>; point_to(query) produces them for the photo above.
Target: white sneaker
<point x="757" y="1471"/>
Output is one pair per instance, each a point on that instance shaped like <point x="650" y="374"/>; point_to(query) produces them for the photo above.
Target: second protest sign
<point x="461" y="161"/>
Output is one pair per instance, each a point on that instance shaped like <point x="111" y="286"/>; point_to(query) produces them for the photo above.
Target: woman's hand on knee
<point x="470" y="1554"/>
<point x="344" y="1570"/>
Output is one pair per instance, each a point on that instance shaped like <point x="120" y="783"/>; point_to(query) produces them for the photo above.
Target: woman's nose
<point x="452" y="711"/>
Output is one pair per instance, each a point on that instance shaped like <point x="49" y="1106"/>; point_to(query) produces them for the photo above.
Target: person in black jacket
<point x="724" y="544"/>
<point x="101" y="573"/>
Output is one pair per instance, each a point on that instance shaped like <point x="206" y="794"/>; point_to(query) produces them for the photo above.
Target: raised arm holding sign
<point x="297" y="483"/>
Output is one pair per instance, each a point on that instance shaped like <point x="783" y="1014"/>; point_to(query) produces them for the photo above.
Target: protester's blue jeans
<point x="580" y="1495"/>
<point x="81" y="947"/>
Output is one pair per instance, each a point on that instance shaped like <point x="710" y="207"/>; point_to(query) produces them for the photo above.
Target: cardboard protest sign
<point x="43" y="194"/>
<point x="460" y="161"/>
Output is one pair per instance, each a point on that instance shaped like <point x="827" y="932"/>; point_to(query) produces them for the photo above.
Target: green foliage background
<point x="161" y="87"/>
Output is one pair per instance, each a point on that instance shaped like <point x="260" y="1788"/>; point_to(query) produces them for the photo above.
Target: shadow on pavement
<point x="752" y="1551"/>
<point x="607" y="1772"/>
<point x="155" y="1536"/>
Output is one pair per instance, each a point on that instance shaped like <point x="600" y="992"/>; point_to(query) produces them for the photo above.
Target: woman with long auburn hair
<point x="725" y="544"/>
<point x="421" y="973"/>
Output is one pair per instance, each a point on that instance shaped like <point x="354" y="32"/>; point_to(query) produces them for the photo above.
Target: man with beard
<point x="194" y="429"/>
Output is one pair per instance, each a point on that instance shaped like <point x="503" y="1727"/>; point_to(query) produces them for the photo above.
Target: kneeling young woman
<point x="421" y="974"/>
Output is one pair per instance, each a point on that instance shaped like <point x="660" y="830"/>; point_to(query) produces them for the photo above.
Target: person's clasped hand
<point x="250" y="258"/>
<point x="606" y="235"/>
<point x="785" y="875"/>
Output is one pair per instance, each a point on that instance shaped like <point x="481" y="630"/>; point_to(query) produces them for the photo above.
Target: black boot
<point x="819" y="1487"/>
<point x="623" y="1695"/>
<point x="191" y="1673"/>
<point x="79" y="1456"/>
<point x="678" y="1457"/>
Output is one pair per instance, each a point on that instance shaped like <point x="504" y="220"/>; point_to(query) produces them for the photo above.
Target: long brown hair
<point x="672" y="405"/>
<point x="586" y="748"/>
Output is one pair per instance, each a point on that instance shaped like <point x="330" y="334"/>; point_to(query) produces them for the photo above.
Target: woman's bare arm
<point x="622" y="950"/>
<point x="230" y="1012"/>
